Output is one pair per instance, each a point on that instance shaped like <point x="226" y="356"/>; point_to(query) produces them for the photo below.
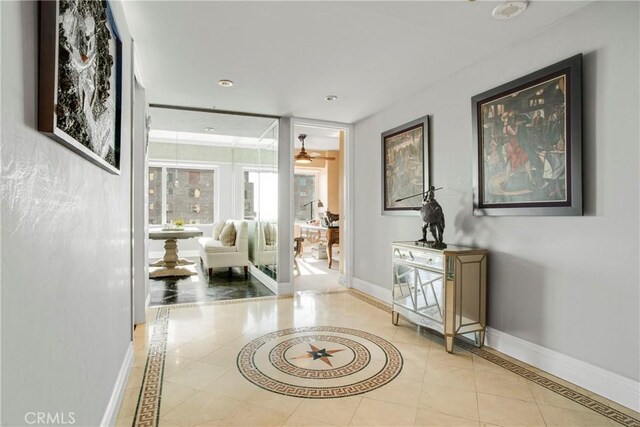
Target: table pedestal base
<point x="169" y="266"/>
<point x="181" y="261"/>
<point x="172" y="272"/>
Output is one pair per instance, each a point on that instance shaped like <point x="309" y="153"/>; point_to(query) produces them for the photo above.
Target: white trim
<point x="111" y="413"/>
<point x="346" y="235"/>
<point x="285" y="288"/>
<point x="608" y="384"/>
<point x="369" y="288"/>
<point x="264" y="279"/>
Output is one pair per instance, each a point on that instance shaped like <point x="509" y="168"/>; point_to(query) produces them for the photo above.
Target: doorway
<point x="320" y="212"/>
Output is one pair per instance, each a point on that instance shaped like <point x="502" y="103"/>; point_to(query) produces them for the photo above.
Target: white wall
<point x="66" y="247"/>
<point x="566" y="283"/>
<point x="140" y="211"/>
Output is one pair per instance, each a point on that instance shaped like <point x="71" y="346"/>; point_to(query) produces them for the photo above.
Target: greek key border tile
<point x="549" y="384"/>
<point x="148" y="407"/>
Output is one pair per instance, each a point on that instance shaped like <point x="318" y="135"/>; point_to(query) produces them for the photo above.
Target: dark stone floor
<point x="220" y="286"/>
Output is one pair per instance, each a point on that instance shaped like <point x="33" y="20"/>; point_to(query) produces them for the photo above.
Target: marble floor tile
<point x="547" y="397"/>
<point x="200" y="408"/>
<point x="199" y="371"/>
<point x="453" y="401"/>
<point x="271" y="400"/>
<point x="554" y="416"/>
<point x="515" y="387"/>
<point x="454" y="377"/>
<point x="335" y="411"/>
<point x="434" y="419"/>
<point x="297" y="421"/>
<point x="197" y="375"/>
<point x="401" y="392"/>
<point x="508" y="412"/>
<point x="376" y="413"/>
<point x="249" y="414"/>
<point x="173" y="394"/>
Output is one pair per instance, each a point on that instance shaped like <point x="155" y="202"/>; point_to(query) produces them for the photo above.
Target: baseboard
<point x="110" y="415"/>
<point x="342" y="279"/>
<point x="375" y="291"/>
<point x="608" y="384"/>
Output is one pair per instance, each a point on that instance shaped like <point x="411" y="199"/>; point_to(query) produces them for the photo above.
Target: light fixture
<point x="509" y="9"/>
<point x="330" y="98"/>
<point x="302" y="156"/>
<point x="225" y="83"/>
<point x="310" y="204"/>
<point x="209" y="129"/>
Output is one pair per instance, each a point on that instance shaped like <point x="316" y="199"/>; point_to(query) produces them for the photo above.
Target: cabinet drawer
<point x="424" y="258"/>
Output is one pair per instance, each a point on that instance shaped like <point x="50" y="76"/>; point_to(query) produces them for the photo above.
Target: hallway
<point x="199" y="365"/>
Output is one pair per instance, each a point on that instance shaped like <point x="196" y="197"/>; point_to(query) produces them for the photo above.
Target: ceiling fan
<point x="304" y="157"/>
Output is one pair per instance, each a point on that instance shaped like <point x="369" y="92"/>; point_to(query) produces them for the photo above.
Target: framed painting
<point x="405" y="167"/>
<point x="80" y="80"/>
<point x="528" y="144"/>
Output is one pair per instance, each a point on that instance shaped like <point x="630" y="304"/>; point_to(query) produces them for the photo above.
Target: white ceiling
<point x="286" y="56"/>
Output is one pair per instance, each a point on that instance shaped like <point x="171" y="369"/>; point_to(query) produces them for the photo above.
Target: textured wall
<point x="65" y="235"/>
<point x="567" y="283"/>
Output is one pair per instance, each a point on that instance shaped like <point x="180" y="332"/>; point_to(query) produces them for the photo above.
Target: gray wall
<point x="567" y="283"/>
<point x="65" y="235"/>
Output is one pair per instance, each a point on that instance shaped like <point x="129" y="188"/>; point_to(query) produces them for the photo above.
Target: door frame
<point x="346" y="235"/>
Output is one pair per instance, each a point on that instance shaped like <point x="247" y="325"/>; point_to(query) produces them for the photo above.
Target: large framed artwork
<point x="80" y="81"/>
<point x="528" y="147"/>
<point x="405" y="166"/>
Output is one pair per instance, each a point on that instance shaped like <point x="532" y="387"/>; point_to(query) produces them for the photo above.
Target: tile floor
<point x="311" y="274"/>
<point x="201" y="384"/>
<point x="222" y="285"/>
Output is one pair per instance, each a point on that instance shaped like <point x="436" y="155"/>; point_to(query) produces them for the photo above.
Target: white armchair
<point x="214" y="254"/>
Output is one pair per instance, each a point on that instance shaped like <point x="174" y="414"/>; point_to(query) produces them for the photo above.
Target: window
<point x="187" y="194"/>
<point x="155" y="195"/>
<point x="304" y="187"/>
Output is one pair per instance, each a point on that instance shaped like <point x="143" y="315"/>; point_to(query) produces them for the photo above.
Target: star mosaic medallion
<point x="319" y="362"/>
<point x="316" y="354"/>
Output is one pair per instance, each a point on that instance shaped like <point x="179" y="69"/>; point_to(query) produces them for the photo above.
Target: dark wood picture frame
<point x="61" y="95"/>
<point x="405" y="166"/>
<point x="528" y="144"/>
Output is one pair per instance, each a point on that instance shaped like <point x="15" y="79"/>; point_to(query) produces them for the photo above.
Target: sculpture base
<point x="431" y="244"/>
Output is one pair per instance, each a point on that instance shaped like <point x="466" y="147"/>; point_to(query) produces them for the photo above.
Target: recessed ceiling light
<point x="509" y="10"/>
<point x="209" y="129"/>
<point x="225" y="83"/>
<point x="330" y="98"/>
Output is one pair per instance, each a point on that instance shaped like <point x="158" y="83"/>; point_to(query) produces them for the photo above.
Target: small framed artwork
<point x="80" y="79"/>
<point x="528" y="144"/>
<point x="405" y="167"/>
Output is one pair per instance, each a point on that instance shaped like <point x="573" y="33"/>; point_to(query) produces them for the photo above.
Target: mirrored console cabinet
<point x="441" y="289"/>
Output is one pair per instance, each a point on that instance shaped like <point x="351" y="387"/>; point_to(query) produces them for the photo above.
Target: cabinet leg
<point x="395" y="317"/>
<point x="480" y="338"/>
<point x="449" y="342"/>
